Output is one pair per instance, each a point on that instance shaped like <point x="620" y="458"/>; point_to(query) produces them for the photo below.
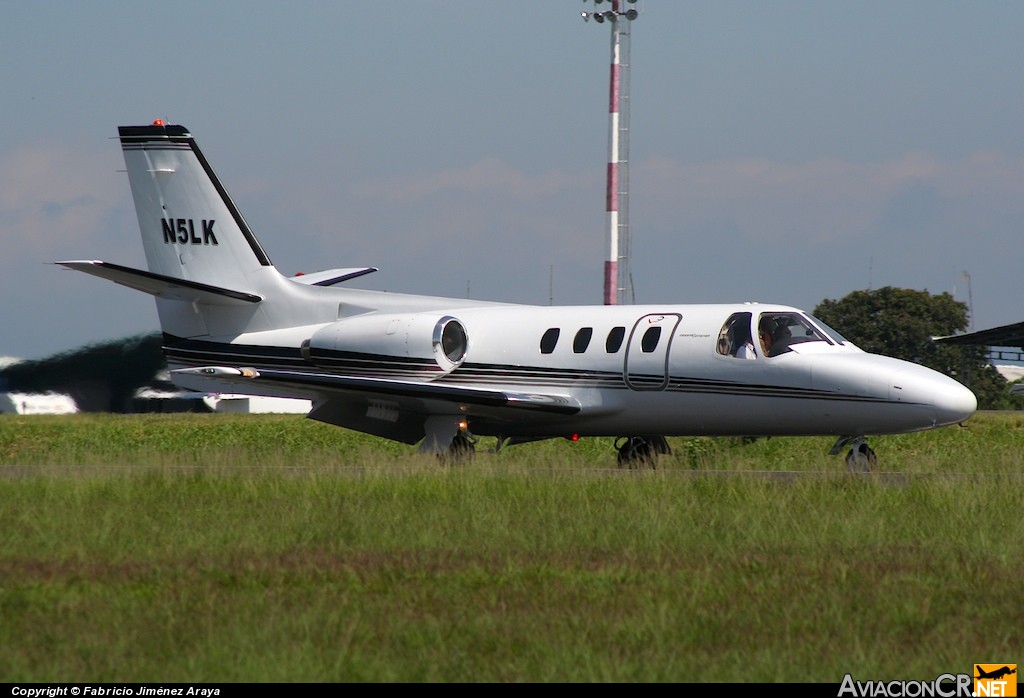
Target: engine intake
<point x="425" y="345"/>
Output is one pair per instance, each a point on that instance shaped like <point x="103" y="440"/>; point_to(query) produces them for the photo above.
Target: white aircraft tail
<point x="191" y="229"/>
<point x="208" y="272"/>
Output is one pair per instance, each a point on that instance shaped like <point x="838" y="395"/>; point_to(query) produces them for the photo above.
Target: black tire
<point x="461" y="449"/>
<point x="637" y="452"/>
<point x="861" y="459"/>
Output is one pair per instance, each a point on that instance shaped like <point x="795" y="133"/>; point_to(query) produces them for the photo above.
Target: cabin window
<point x="582" y="339"/>
<point x="614" y="341"/>
<point x="734" y="338"/>
<point x="549" y="340"/>
<point x="650" y="339"/>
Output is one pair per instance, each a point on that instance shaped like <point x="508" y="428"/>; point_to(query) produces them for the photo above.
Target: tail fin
<point x="191" y="229"/>
<point x="210" y="276"/>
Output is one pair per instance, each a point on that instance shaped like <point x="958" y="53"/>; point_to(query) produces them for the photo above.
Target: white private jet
<point x="441" y="371"/>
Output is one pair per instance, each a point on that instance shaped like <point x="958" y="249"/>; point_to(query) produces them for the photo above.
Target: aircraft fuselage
<point x="677" y="384"/>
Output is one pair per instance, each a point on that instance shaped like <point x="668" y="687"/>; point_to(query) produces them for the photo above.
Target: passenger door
<point x="646" y="362"/>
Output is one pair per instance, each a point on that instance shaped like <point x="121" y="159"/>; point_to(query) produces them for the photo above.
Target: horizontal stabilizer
<point x="332" y="276"/>
<point x="162" y="286"/>
<point x="327" y="384"/>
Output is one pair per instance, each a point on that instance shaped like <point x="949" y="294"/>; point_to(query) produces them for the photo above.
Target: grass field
<point x="216" y="548"/>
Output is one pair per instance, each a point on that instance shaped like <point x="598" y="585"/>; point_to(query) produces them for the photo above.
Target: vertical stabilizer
<point x="190" y="227"/>
<point x="193" y="232"/>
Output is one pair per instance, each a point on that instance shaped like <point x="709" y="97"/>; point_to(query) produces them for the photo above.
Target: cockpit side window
<point x="778" y="332"/>
<point x="734" y="338"/>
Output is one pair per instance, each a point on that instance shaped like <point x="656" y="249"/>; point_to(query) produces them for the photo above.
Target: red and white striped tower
<point x="616" y="267"/>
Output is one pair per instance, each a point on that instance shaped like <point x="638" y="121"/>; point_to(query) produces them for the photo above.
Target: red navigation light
<point x="573" y="437"/>
<point x="158" y="122"/>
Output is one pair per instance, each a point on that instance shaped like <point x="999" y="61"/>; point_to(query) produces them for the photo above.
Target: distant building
<point x="1012" y="372"/>
<point x="32" y="403"/>
<point x="90" y="373"/>
<point x="252" y="404"/>
<point x="28" y="403"/>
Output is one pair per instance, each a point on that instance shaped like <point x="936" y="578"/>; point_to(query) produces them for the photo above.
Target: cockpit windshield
<point x="778" y="332"/>
<point x="835" y="336"/>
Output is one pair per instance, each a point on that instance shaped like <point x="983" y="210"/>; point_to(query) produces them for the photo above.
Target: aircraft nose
<point x="954" y="403"/>
<point x="950" y="401"/>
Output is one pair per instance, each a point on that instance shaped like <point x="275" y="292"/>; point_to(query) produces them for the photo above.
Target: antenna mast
<point x="970" y="304"/>
<point x="617" y="278"/>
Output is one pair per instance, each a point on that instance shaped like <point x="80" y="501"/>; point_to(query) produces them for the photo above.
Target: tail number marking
<point x="183" y="231"/>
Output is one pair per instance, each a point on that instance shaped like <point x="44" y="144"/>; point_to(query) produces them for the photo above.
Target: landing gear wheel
<point x="462" y="448"/>
<point x="637" y="452"/>
<point x="861" y="459"/>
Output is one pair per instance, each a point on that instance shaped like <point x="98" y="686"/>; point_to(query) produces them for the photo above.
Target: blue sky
<point x="781" y="152"/>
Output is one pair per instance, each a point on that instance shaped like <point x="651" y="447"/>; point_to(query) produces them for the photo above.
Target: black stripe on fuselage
<point x="174" y="137"/>
<point x="361" y="363"/>
<point x="196" y="352"/>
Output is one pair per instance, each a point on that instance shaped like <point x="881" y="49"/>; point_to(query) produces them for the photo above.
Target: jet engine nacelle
<point x="429" y="342"/>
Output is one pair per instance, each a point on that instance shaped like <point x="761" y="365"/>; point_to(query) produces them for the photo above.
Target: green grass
<point x="215" y="548"/>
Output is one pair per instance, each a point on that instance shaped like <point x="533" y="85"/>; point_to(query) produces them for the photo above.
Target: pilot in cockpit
<point x="765" y="332"/>
<point x="776" y="335"/>
<point x="780" y="339"/>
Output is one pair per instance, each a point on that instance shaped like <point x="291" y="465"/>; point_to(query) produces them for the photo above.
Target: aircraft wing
<point x="393" y="409"/>
<point x="1005" y="336"/>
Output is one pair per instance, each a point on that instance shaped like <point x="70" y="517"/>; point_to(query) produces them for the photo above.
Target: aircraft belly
<point x="696" y="414"/>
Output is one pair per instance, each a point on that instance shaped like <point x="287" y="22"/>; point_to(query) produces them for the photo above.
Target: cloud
<point x="55" y="201"/>
<point x="825" y="200"/>
<point x="487" y="175"/>
<point x="499" y="225"/>
<point x="487" y="208"/>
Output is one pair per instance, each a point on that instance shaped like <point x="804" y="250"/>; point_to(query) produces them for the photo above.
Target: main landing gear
<point x="462" y="447"/>
<point x="861" y="458"/>
<point x="641" y="451"/>
<point x="448" y="437"/>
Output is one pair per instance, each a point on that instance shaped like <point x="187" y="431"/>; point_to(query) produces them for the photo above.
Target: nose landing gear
<point x="861" y="458"/>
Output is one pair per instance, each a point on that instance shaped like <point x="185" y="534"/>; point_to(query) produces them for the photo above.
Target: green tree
<point x="901" y="322"/>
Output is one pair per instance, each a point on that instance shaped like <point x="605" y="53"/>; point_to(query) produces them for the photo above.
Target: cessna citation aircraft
<point x="441" y="371"/>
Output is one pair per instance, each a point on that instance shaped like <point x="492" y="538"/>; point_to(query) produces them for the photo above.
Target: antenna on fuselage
<point x="618" y="281"/>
